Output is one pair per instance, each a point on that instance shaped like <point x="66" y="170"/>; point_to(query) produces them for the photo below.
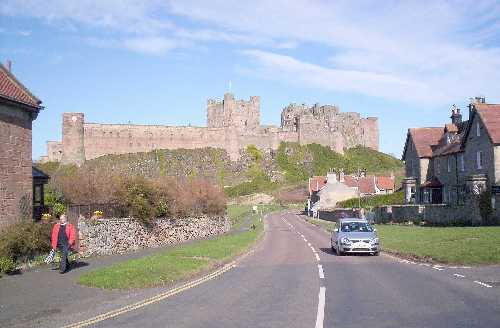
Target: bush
<point x="7" y="265"/>
<point x="396" y="198"/>
<point x="25" y="240"/>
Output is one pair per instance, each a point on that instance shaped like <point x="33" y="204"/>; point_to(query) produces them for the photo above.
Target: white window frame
<point x="462" y="162"/>
<point x="478" y="129"/>
<point x="479" y="159"/>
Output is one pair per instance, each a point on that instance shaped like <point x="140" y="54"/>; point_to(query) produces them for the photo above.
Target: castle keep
<point x="231" y="125"/>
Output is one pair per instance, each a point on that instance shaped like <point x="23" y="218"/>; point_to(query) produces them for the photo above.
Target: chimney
<point x="341" y="175"/>
<point x="8" y="65"/>
<point x="456" y="117"/>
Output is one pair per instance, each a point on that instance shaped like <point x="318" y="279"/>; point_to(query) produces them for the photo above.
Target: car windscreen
<point x="356" y="227"/>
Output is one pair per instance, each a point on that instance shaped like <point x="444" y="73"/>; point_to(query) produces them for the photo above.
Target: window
<point x="461" y="162"/>
<point x="410" y="167"/>
<point x="438" y="166"/>
<point x="479" y="160"/>
<point x="448" y="164"/>
<point x="445" y="195"/>
<point x="478" y="129"/>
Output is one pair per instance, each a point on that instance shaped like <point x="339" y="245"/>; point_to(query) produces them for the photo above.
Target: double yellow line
<point x="154" y="299"/>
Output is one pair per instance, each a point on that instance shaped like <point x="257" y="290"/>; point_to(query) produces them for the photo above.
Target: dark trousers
<point x="64" y="264"/>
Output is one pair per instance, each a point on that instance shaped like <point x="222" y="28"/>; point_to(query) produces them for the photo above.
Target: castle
<point x="231" y="125"/>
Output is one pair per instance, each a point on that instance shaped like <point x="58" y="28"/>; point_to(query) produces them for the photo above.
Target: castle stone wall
<point x="231" y="125"/>
<point x="102" y="139"/>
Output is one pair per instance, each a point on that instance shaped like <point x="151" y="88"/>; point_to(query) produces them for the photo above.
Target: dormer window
<point x="448" y="138"/>
<point x="478" y="129"/>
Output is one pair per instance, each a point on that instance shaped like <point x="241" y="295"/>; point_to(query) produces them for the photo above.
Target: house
<point x="18" y="109"/>
<point x="326" y="192"/>
<point x="445" y="165"/>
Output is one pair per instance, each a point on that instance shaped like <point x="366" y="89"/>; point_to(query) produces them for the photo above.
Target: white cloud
<point x="446" y="51"/>
<point x="150" y="46"/>
<point x="285" y="68"/>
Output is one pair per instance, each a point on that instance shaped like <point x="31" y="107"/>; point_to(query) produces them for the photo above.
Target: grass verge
<point x="458" y="245"/>
<point x="183" y="261"/>
<point x="327" y="225"/>
<point x="452" y="245"/>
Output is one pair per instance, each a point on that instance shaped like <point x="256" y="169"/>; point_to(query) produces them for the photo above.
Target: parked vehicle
<point x="354" y="235"/>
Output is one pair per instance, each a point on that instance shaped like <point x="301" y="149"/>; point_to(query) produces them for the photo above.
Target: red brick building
<point x="18" y="108"/>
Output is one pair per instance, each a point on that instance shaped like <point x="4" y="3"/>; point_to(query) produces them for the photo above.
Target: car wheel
<point x="376" y="253"/>
<point x="339" y="253"/>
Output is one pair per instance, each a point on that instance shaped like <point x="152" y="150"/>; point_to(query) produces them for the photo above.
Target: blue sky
<point x="157" y="62"/>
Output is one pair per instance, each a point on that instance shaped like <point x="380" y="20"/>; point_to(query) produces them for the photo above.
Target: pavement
<point x="291" y="279"/>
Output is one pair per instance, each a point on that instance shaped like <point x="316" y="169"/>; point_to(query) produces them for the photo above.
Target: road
<point x="282" y="284"/>
<point x="291" y="279"/>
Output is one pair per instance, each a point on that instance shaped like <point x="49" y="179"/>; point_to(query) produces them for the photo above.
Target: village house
<point x="445" y="165"/>
<point x="18" y="109"/>
<point x="326" y="191"/>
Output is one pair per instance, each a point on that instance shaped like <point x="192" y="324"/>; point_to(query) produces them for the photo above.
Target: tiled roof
<point x="12" y="89"/>
<point x="385" y="183"/>
<point x="316" y="183"/>
<point x="490" y="115"/>
<point x="424" y="138"/>
<point x="366" y="184"/>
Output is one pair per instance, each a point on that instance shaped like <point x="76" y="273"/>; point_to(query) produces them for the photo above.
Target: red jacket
<point x="70" y="232"/>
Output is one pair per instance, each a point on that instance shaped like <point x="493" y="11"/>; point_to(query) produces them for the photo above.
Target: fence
<point x="109" y="211"/>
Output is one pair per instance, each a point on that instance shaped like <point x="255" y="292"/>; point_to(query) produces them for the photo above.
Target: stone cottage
<point x="18" y="109"/>
<point x="445" y="165"/>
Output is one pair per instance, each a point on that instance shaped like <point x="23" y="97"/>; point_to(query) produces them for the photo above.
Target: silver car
<point x="353" y="235"/>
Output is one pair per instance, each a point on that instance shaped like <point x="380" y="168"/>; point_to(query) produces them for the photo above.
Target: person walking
<point x="63" y="239"/>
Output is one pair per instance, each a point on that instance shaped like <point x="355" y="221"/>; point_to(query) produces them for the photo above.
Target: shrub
<point x="25" y="240"/>
<point x="7" y="265"/>
<point x="395" y="198"/>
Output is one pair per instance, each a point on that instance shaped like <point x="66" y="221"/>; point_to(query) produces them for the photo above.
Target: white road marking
<point x="483" y="284"/>
<point x="437" y="268"/>
<point x="309" y="244"/>
<point x="304" y="239"/>
<point x="312" y="248"/>
<point x="320" y="271"/>
<point x="321" y="308"/>
<point x="317" y="257"/>
<point x="458" y="275"/>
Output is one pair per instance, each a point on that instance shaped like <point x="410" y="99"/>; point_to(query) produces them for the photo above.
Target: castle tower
<point x="73" y="139"/>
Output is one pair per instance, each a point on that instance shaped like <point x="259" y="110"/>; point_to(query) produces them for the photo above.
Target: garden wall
<point x="439" y="214"/>
<point x="116" y="236"/>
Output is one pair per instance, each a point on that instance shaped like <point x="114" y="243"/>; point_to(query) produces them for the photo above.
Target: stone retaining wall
<point x="116" y="236"/>
<point x="441" y="214"/>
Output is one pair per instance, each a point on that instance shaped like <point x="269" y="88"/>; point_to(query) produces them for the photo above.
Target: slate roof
<point x="13" y="90"/>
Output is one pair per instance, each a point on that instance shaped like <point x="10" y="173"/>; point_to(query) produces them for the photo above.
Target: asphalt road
<point x="291" y="279"/>
<point x="281" y="283"/>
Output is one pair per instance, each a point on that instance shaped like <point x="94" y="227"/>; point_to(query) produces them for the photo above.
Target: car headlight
<point x="374" y="241"/>
<point x="345" y="241"/>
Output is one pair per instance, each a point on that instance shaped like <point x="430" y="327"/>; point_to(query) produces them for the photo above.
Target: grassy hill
<point x="256" y="171"/>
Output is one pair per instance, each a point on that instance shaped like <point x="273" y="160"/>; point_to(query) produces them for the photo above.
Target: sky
<point x="157" y="62"/>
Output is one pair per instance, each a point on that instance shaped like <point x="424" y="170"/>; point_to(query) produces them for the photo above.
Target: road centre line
<point x="483" y="284"/>
<point x="309" y="244"/>
<point x="317" y="257"/>
<point x="459" y="275"/>
<point x="321" y="308"/>
<point x="321" y="272"/>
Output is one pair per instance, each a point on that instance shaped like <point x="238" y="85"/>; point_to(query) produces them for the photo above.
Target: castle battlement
<point x="232" y="124"/>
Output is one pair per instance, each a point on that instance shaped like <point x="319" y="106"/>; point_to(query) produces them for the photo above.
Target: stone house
<point x="326" y="192"/>
<point x="18" y="108"/>
<point x="444" y="165"/>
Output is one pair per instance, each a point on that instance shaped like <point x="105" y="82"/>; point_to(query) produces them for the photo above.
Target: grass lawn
<point x="182" y="261"/>
<point x="460" y="245"/>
